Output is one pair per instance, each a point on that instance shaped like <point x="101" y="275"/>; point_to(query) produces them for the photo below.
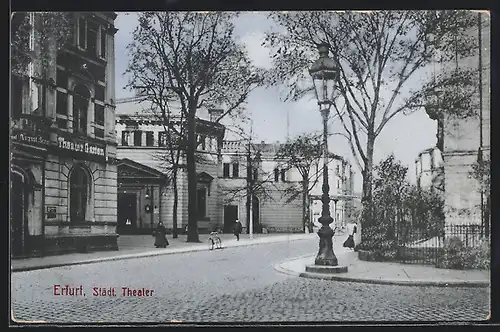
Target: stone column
<point x="70" y="112"/>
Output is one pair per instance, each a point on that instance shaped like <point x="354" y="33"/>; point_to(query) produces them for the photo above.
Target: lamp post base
<point x="325" y="256"/>
<point x="326" y="269"/>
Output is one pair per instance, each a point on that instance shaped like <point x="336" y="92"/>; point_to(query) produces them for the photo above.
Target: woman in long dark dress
<point x="161" y="236"/>
<point x="349" y="243"/>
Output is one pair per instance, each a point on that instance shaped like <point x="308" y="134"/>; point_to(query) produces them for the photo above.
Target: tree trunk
<point x="191" y="177"/>
<point x="248" y="210"/>
<point x="176" y="203"/>
<point x="367" y="173"/>
<point x="305" y="215"/>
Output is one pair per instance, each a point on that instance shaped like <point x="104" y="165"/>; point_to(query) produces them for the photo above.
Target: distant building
<point x="225" y="169"/>
<point x="63" y="145"/>
<point x="270" y="210"/>
<point x="341" y="182"/>
<point x="430" y="170"/>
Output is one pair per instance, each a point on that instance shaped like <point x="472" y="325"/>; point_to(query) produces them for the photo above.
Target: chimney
<point x="215" y="113"/>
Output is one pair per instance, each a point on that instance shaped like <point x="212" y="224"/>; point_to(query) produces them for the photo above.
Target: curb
<point x="140" y="255"/>
<point x="472" y="284"/>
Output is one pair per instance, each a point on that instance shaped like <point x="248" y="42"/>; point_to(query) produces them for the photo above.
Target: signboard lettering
<point x="80" y="147"/>
<point x="30" y="139"/>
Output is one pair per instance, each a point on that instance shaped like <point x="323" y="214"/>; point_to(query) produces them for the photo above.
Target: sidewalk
<point x="387" y="273"/>
<point x="135" y="246"/>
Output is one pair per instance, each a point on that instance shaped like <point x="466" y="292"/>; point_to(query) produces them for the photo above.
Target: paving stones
<point x="234" y="285"/>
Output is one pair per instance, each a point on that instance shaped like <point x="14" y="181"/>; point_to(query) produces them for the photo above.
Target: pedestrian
<point x="237" y="229"/>
<point x="160" y="235"/>
<point x="351" y="230"/>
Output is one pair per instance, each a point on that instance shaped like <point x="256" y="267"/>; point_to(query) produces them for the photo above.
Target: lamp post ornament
<point x="324" y="73"/>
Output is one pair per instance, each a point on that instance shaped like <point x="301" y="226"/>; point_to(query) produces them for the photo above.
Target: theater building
<point x="63" y="146"/>
<point x="145" y="184"/>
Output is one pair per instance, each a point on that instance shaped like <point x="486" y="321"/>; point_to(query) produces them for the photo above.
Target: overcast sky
<point x="405" y="135"/>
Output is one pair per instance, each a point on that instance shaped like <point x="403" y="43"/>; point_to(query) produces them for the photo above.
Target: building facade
<point x="341" y="182"/>
<point x="145" y="174"/>
<point x="272" y="209"/>
<point x="461" y="139"/>
<point x="251" y="170"/>
<point x="429" y="170"/>
<point x="63" y="145"/>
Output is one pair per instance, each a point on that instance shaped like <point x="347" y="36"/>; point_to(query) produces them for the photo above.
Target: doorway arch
<point x="19" y="207"/>
<point x="80" y="195"/>
<point x="257" y="228"/>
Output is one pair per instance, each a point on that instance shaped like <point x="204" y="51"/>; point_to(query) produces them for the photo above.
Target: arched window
<point x="81" y="100"/>
<point x="79" y="189"/>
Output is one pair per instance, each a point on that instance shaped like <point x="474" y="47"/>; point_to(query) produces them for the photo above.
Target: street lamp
<point x="252" y="178"/>
<point x="324" y="73"/>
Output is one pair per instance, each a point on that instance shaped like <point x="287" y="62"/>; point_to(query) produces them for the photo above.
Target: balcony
<point x="32" y="124"/>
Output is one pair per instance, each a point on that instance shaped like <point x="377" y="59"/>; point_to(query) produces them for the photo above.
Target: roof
<point x="137" y="170"/>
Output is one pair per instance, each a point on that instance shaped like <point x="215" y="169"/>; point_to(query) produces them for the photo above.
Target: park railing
<point x="425" y="246"/>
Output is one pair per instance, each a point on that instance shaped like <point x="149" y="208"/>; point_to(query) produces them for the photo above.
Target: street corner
<point x="294" y="266"/>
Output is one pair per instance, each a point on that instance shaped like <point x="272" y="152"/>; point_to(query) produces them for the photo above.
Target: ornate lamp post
<point x="324" y="73"/>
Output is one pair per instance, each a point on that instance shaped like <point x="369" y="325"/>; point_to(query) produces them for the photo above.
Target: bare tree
<point x="192" y="57"/>
<point x="257" y="183"/>
<point x="302" y="153"/>
<point x="376" y="54"/>
<point x="172" y="141"/>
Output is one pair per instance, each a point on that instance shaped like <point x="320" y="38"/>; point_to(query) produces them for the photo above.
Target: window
<point x="338" y="169"/>
<point x="79" y="184"/>
<point x="225" y="170"/>
<point x="125" y="138"/>
<point x="236" y="169"/>
<point x="99" y="92"/>
<point x="98" y="132"/>
<point x="103" y="43"/>
<point x="99" y="114"/>
<point x="62" y="123"/>
<point x="283" y="175"/>
<point x="202" y="202"/>
<point x="82" y="33"/>
<point x="200" y="139"/>
<point x="137" y="138"/>
<point x="62" y="103"/>
<point x="338" y="184"/>
<point x="162" y="136"/>
<point x="92" y="37"/>
<point x="149" y="138"/>
<point x="62" y="79"/>
<point x="203" y="143"/>
<point x="17" y="96"/>
<point x="255" y="174"/>
<point x="80" y="109"/>
<point x="276" y="175"/>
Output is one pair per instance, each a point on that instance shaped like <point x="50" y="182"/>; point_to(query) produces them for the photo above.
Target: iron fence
<point x="425" y="246"/>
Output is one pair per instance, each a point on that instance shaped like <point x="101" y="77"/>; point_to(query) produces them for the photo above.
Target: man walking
<point x="237" y="229"/>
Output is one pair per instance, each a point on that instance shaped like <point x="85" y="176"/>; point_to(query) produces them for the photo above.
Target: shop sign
<point x="23" y="137"/>
<point x="81" y="147"/>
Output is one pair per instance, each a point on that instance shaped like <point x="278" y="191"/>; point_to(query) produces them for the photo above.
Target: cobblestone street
<point x="234" y="284"/>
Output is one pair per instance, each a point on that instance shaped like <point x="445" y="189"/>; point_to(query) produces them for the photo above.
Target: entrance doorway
<point x="256" y="215"/>
<point x="127" y="213"/>
<point x="230" y="216"/>
<point x="18" y="221"/>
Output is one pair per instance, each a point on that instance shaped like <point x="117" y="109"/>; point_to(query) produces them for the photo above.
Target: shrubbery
<point x="375" y="240"/>
<point x="454" y="255"/>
